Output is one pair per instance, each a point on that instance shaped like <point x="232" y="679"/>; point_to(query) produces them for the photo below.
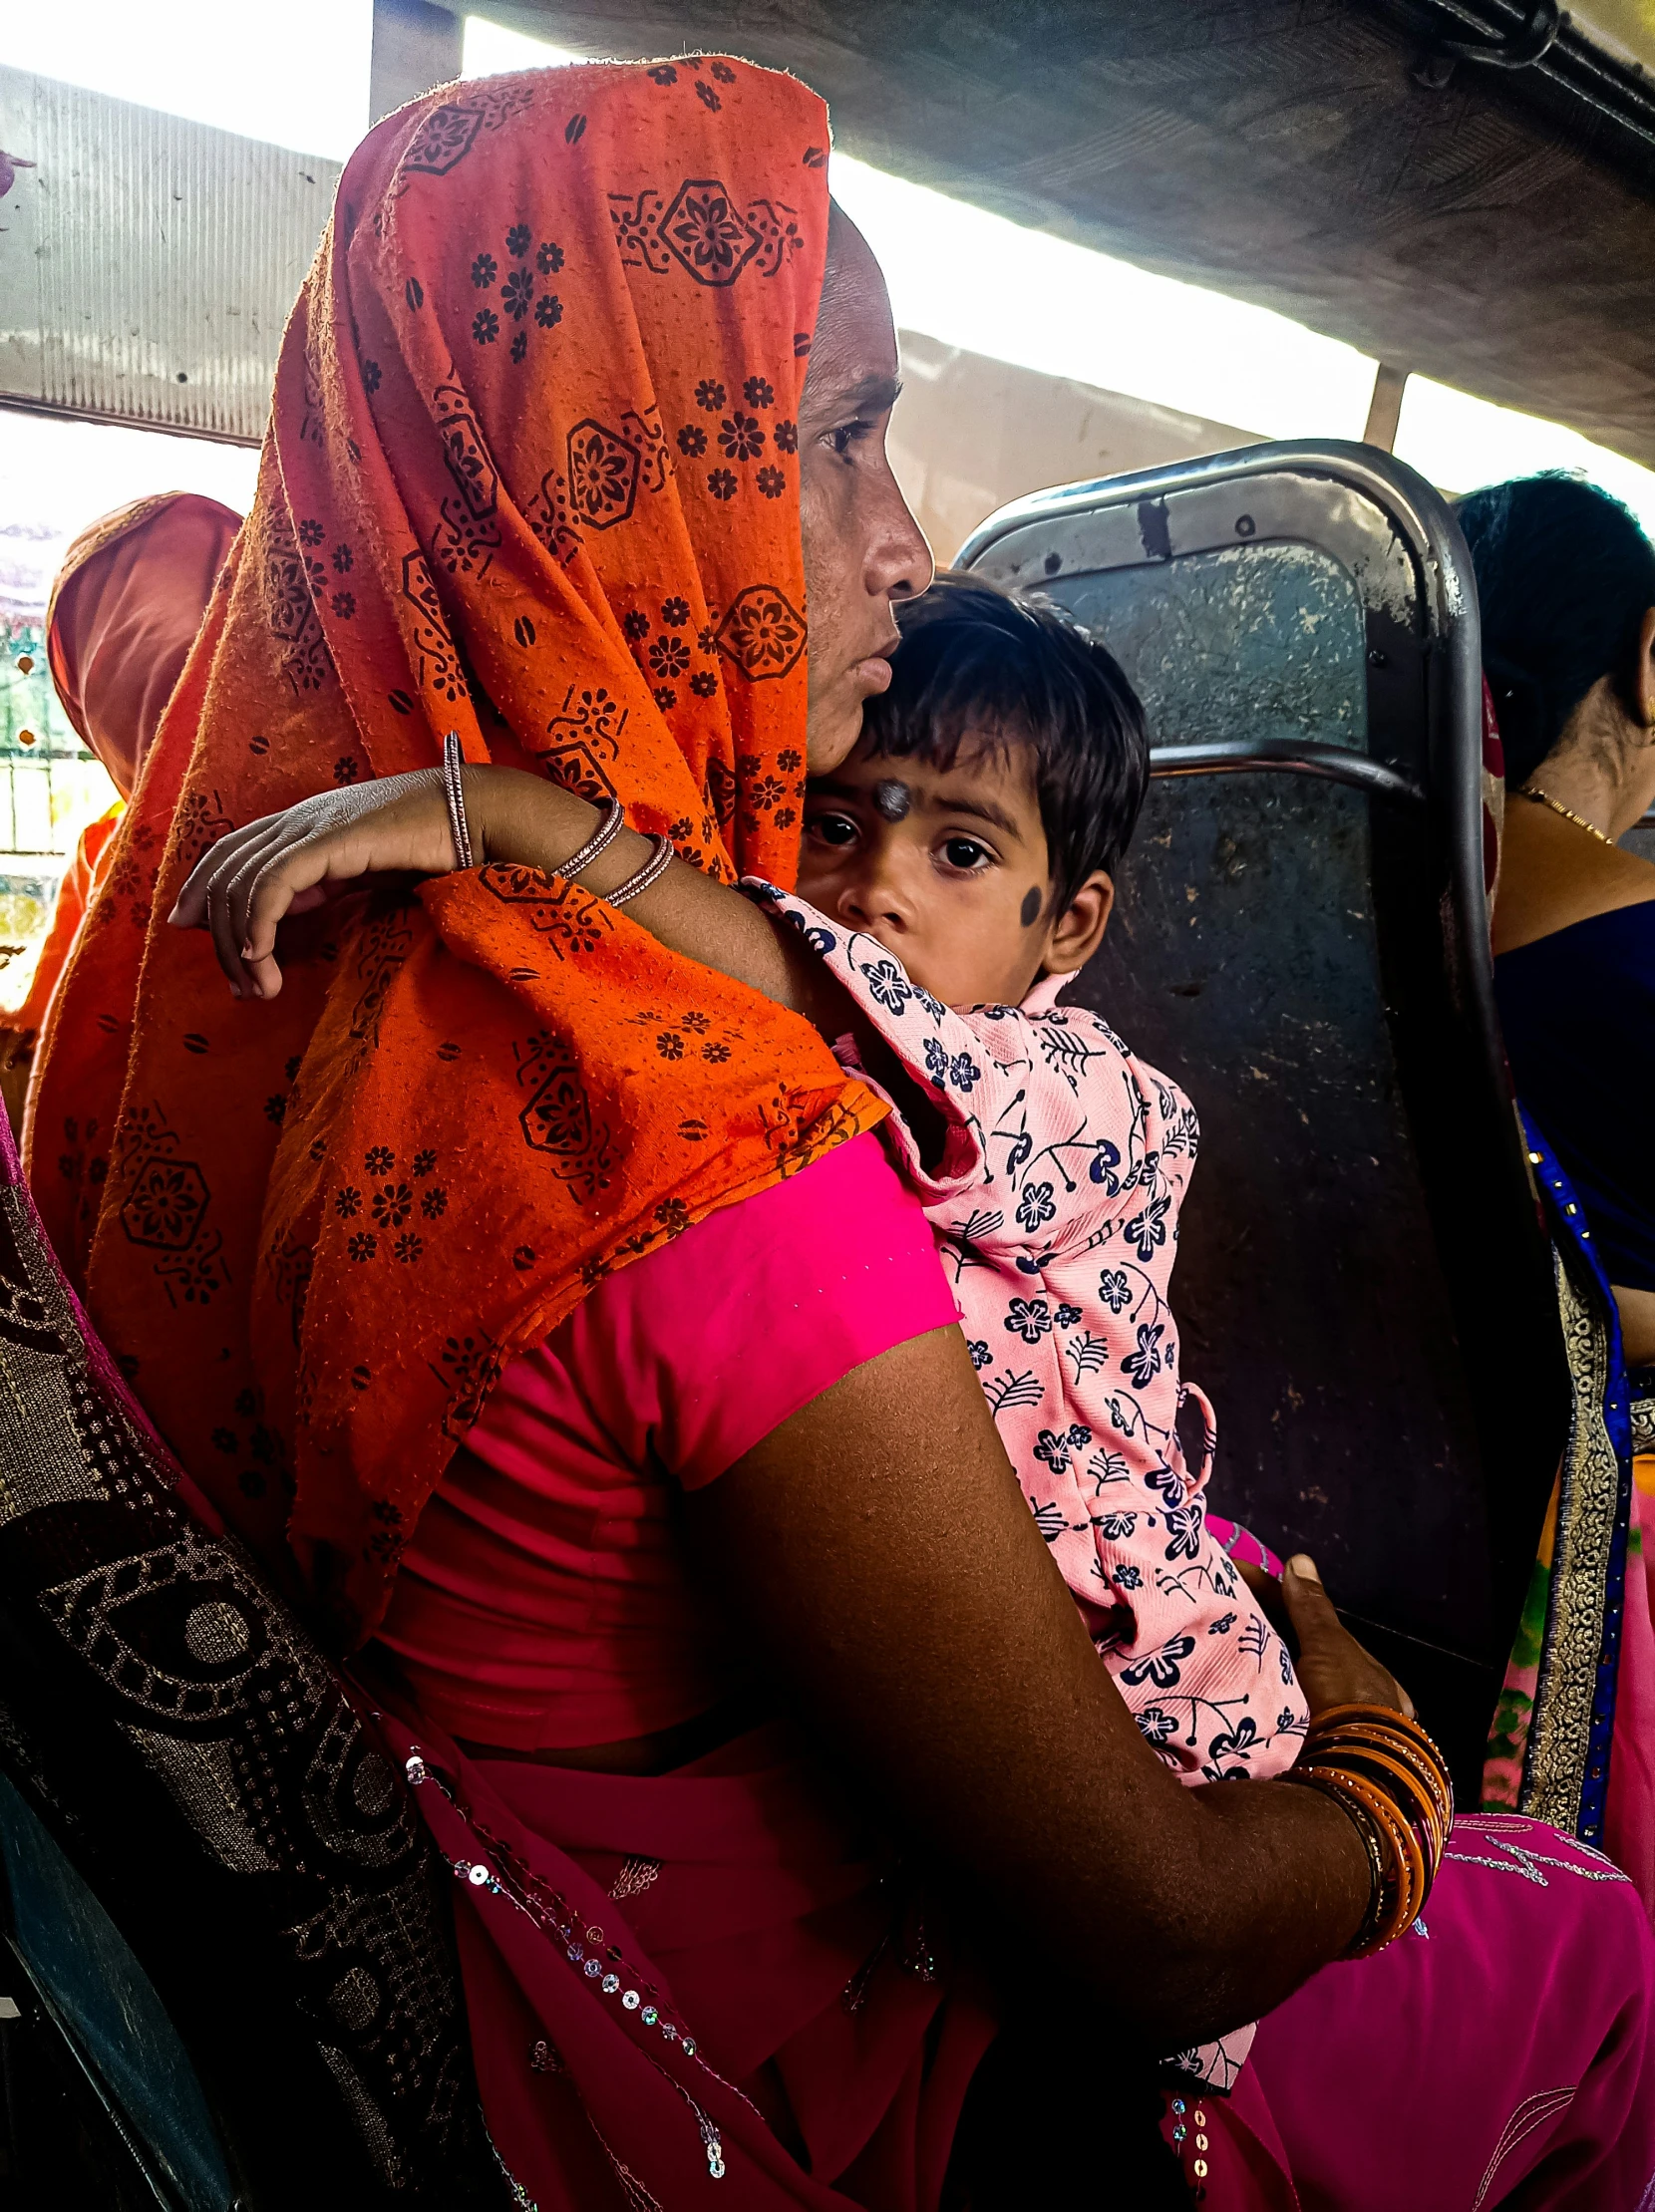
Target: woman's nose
<point x="899" y="559"/>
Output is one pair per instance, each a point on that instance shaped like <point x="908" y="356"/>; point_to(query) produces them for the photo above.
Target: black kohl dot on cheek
<point x="1030" y="908"/>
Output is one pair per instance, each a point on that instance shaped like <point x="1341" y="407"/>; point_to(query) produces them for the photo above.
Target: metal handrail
<point x="1338" y="764"/>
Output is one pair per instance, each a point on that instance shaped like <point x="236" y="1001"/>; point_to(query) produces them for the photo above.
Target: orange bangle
<point x="1385" y="1771"/>
<point x="1399" y="1869"/>
<point x="1389" y="1715"/>
<point x="1410" y="1745"/>
<point x="1346" y="1728"/>
<point x="1426" y="1781"/>
<point x="1391" y="1781"/>
<point x="1380" y="1880"/>
<point x="1412" y="1884"/>
<point x="1381" y="1716"/>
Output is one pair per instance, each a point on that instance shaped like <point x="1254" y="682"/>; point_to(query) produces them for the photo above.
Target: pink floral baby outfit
<point x="1055" y="1205"/>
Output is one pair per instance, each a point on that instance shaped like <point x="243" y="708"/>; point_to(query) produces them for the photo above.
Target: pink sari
<point x="648" y="1962"/>
<point x="724" y="1973"/>
<point x="1629" y="1824"/>
<point x="616" y="1932"/>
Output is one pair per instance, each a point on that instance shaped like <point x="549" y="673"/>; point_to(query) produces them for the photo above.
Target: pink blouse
<point x="544" y="1601"/>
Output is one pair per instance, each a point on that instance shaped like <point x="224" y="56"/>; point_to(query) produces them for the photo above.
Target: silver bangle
<point x="603" y="837"/>
<point x="657" y="864"/>
<point x="454" y="791"/>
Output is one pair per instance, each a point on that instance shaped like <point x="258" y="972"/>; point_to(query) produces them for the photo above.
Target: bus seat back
<point x="1301" y="941"/>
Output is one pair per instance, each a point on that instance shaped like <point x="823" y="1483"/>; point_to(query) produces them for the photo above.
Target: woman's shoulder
<point x="705" y="1344"/>
<point x="1554" y="878"/>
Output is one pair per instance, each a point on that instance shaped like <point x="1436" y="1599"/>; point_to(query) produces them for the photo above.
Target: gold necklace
<point x="1544" y="798"/>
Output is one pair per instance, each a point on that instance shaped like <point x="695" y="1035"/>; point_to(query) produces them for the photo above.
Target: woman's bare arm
<point x="879" y="1548"/>
<point x="1637" y="1324"/>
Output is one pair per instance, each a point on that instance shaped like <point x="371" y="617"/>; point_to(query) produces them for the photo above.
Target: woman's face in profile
<point x="863" y="548"/>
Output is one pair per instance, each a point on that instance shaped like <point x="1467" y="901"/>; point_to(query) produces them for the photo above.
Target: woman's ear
<point x="1644" y="697"/>
<point x="1078" y="929"/>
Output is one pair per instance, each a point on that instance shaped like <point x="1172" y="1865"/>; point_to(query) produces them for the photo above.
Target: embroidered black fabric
<point x="191" y="1747"/>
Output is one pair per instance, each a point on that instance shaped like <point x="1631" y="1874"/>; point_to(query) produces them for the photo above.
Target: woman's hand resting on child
<point x="1332" y="1667"/>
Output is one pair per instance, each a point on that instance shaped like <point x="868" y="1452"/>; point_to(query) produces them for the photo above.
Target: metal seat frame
<point x="1420" y="774"/>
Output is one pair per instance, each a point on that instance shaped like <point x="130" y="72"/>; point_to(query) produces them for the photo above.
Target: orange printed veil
<point x="125" y="607"/>
<point x="531" y="474"/>
<point x="127" y="604"/>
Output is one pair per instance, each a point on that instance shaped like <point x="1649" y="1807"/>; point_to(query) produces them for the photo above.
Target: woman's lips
<point x="872" y="672"/>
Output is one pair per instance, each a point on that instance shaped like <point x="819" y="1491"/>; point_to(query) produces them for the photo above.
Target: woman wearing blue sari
<point x="1567" y="581"/>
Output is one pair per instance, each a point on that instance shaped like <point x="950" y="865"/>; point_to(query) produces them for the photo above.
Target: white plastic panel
<point x="147" y="265"/>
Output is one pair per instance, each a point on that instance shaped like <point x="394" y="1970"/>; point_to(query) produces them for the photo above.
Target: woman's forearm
<point x="526" y="820"/>
<point x="880" y="1550"/>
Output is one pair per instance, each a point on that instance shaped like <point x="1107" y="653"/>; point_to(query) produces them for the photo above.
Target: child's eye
<point x="966" y="852"/>
<point x="832" y="830"/>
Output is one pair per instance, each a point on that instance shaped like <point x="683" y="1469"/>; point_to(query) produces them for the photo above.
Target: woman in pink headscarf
<point x="125" y="607"/>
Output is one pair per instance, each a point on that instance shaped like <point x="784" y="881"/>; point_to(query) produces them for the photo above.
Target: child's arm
<point x="243" y="887"/>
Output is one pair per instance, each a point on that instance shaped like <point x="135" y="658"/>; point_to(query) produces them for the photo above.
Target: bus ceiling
<point x="1462" y="187"/>
<point x="1376" y="169"/>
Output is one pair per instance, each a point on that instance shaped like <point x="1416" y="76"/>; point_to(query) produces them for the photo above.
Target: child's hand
<point x="280" y="866"/>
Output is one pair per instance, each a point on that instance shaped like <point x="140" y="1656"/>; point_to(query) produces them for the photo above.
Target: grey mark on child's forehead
<point x="893" y="798"/>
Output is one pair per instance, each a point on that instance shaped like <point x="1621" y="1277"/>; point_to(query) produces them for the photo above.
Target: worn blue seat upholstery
<point x="108" y="2010"/>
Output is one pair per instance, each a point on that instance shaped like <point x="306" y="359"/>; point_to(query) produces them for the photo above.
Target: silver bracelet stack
<point x="610" y="823"/>
<point x="603" y="836"/>
<point x="453" y="789"/>
<point x="656" y="865"/>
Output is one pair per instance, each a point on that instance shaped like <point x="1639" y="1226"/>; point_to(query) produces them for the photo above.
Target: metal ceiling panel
<point x="147" y="265"/>
<point x="1492" y="229"/>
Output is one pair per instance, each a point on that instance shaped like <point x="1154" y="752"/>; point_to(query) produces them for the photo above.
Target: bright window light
<point x="979" y="281"/>
<point x="298" y="77"/>
<point x="294" y="76"/>
<point x="991" y="286"/>
<point x="1460" y="442"/>
<point x="56" y="476"/>
<point x="493" y="50"/>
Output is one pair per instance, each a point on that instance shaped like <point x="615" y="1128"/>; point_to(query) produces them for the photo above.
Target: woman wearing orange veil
<point x="540" y="1303"/>
<point x="125" y="610"/>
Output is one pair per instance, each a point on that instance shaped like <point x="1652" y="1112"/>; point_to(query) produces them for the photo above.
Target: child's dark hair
<point x="1564" y="577"/>
<point x="975" y="662"/>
